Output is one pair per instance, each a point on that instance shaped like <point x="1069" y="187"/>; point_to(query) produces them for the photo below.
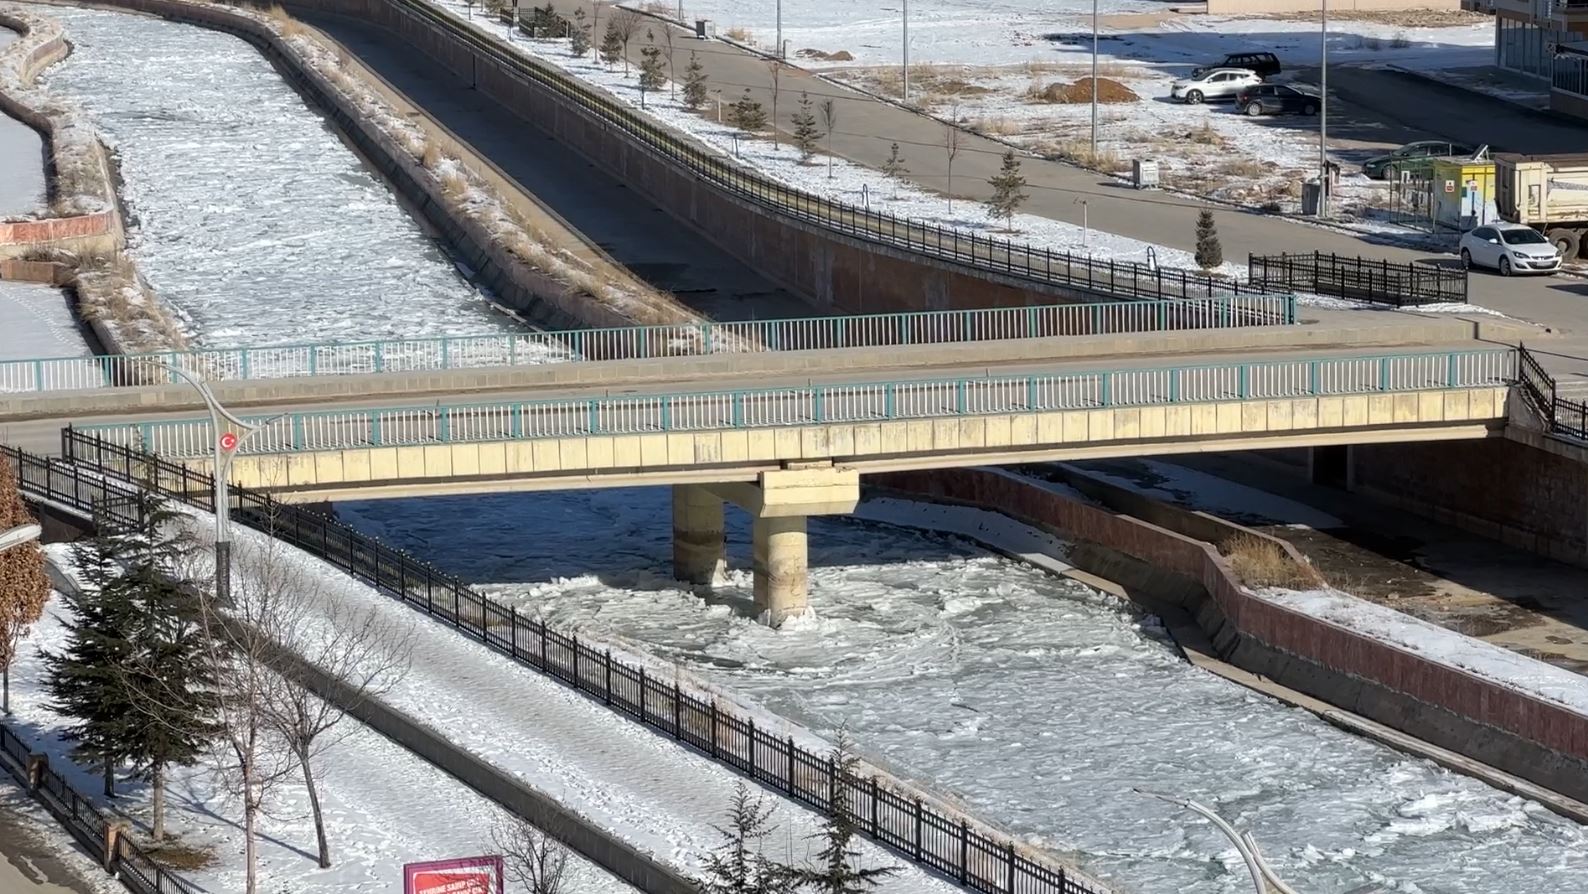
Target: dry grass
<point x="1405" y="18"/>
<point x="742" y="35"/>
<point x="1205" y="134"/>
<point x="1261" y="562"/>
<point x="1080" y="152"/>
<point x="996" y="125"/>
<point x="111" y="291"/>
<point x="1244" y="168"/>
<point x="286" y="25"/>
<point x="1072" y="70"/>
<point x="180" y="857"/>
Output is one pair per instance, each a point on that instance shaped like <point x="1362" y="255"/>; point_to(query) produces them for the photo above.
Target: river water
<point x="1039" y="702"/>
<point x="249" y="213"/>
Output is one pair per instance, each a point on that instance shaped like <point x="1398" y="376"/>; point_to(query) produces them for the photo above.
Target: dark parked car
<point x="1265" y="64"/>
<point x="1277" y="99"/>
<point x="1412" y="156"/>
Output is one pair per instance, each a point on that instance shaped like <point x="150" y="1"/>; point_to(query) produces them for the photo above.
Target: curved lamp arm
<point x="1252" y="864"/>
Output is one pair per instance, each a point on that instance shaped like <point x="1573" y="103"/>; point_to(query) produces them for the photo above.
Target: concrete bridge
<point x="787" y="450"/>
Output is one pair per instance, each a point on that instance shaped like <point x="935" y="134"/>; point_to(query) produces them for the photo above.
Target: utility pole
<point x="906" y="52"/>
<point x="1323" y="116"/>
<point x="779" y="50"/>
<point x="1094" y="82"/>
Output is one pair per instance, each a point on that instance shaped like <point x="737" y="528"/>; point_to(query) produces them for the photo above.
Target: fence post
<point x="1383" y="373"/>
<point x="606" y="696"/>
<point x="873" y="807"/>
<point x="918" y="830"/>
<point x="678" y="711"/>
<point x="1312" y="376"/>
<point x="1105" y="386"/>
<point x="790" y="751"/>
<point x="1452" y="369"/>
<point x="1010" y="854"/>
<point x="713" y="706"/>
<point x="964" y="850"/>
<point x="643" y="716"/>
<point x="113" y="832"/>
<point x="545" y="662"/>
<point x="751" y="749"/>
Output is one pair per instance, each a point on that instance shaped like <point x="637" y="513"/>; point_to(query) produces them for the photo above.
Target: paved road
<point x="29" y="859"/>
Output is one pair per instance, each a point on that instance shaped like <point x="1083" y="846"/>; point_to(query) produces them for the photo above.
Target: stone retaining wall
<point x="1518" y="733"/>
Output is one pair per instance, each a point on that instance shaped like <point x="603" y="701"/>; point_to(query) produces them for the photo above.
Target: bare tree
<point x="24" y="588"/>
<point x="533" y="860"/>
<point x="625" y="22"/>
<point x="776" y="71"/>
<point x="252" y="761"/>
<point x="952" y="138"/>
<point x="829" y="121"/>
<point x="672" y="82"/>
<point x="595" y="25"/>
<point x="364" y="656"/>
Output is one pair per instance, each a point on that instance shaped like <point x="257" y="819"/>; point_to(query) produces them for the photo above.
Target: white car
<point x="1509" y="248"/>
<point x="1218" y="83"/>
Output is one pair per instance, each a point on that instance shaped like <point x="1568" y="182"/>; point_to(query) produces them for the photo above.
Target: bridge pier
<point x="781" y="556"/>
<point x="700" y="553"/>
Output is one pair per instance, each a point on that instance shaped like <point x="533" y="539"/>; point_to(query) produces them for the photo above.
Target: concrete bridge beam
<point x="700" y="554"/>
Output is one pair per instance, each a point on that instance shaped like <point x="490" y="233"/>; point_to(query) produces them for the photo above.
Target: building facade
<point x="1548" y="40"/>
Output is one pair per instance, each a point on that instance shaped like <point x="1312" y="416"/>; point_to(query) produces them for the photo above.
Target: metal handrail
<point x="512" y="349"/>
<point x="835" y="403"/>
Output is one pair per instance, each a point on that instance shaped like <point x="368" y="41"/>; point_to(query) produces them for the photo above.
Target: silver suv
<point x="1215" y="83"/>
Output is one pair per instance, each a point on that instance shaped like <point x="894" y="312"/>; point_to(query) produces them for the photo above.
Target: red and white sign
<point x="228" y="441"/>
<point x="469" y="875"/>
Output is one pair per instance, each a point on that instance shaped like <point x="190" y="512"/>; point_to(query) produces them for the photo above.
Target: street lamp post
<point x="906" y="52"/>
<point x="1263" y="875"/>
<point x="227" y="443"/>
<point x="1094" y="82"/>
<point x="779" y="51"/>
<point x="1323" y="114"/>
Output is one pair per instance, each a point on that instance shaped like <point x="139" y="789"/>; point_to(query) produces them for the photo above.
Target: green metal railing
<point x="862" y="402"/>
<point x="646" y="342"/>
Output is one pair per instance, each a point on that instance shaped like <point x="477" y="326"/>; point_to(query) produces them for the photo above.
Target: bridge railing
<point x="648" y="342"/>
<point x="820" y="404"/>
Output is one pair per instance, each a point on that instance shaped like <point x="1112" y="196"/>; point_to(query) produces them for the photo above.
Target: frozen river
<point x="1039" y="702"/>
<point x="21" y="159"/>
<point x="249" y="214"/>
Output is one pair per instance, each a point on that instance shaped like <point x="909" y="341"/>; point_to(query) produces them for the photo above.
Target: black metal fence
<point x="86" y="822"/>
<point x="1561" y="415"/>
<point x="1363" y="279"/>
<point x="1122" y="279"/>
<point x="882" y="809"/>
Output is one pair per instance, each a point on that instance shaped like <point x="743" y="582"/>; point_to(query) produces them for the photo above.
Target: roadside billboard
<point x="468" y="875"/>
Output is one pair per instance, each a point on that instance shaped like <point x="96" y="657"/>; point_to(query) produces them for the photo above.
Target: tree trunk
<point x="5" y="691"/>
<point x="250" y="844"/>
<point x="319" y="817"/>
<point x="157" y="782"/>
<point x="110" y="778"/>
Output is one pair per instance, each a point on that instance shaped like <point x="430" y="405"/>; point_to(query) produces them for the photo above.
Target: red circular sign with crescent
<point x="228" y="442"/>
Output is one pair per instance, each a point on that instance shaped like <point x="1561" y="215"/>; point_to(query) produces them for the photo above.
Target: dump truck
<point x="1548" y="193"/>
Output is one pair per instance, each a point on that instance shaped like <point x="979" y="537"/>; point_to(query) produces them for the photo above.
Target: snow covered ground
<point x="36" y="321"/>
<point x="249" y="214"/>
<point x="851" y="183"/>
<point x="21" y="159"/>
<point x="1491" y="662"/>
<point x="383" y="806"/>
<point x="979" y="59"/>
<point x="1036" y="701"/>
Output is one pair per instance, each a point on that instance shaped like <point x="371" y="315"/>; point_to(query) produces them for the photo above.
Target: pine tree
<point x="24" y="588"/>
<point x="837" y="871"/>
<point x="1209" y="253"/>
<point x="133" y="674"/>
<point x="893" y="165"/>
<point x="694" y="83"/>
<point x="737" y="866"/>
<point x="579" y="40"/>
<point x="806" y="133"/>
<point x="747" y="114"/>
<point x="653" y="72"/>
<point x="611" y="44"/>
<point x="1008" y="190"/>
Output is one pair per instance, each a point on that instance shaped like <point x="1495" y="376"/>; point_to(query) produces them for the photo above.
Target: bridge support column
<point x="699" y="545"/>
<point x="781" y="555"/>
